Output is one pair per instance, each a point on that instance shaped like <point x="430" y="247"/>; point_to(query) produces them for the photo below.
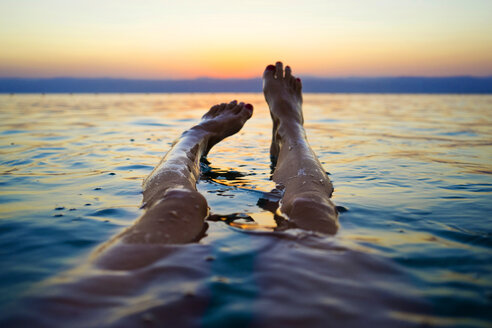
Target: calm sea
<point x="412" y="176"/>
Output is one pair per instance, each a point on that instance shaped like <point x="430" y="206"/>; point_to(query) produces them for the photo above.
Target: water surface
<point x="412" y="177"/>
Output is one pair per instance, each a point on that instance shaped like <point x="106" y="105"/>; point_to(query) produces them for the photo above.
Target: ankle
<point x="291" y="130"/>
<point x="200" y="130"/>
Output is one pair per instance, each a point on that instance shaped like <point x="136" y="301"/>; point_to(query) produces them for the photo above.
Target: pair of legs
<point x="176" y="212"/>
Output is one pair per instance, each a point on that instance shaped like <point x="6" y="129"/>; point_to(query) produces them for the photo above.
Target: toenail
<point x="298" y="79"/>
<point x="270" y="68"/>
<point x="249" y="106"/>
<point x="287" y="67"/>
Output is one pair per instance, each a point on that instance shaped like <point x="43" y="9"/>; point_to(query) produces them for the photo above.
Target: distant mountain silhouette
<point x="458" y="84"/>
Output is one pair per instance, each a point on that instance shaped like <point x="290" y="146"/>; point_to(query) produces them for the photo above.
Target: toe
<point x="232" y="104"/>
<point x="221" y="107"/>
<point x="247" y="111"/>
<point x="279" y="70"/>
<point x="236" y="109"/>
<point x="298" y="84"/>
<point x="212" y="112"/>
<point x="292" y="82"/>
<point x="288" y="72"/>
<point x="269" y="72"/>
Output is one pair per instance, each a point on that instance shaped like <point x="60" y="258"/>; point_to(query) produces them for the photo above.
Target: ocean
<point x="413" y="184"/>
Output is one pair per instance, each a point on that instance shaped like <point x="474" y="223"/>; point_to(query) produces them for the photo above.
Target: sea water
<point x="412" y="178"/>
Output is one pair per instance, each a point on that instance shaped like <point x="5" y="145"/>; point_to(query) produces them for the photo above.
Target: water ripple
<point x="413" y="248"/>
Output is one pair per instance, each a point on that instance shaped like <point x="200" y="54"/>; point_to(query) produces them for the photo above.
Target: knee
<point x="314" y="214"/>
<point x="181" y="197"/>
<point x="185" y="196"/>
<point x="179" y="193"/>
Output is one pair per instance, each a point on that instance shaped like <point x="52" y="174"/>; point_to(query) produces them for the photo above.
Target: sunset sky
<point x="187" y="39"/>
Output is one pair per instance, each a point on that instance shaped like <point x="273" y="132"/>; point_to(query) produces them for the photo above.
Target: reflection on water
<point x="412" y="175"/>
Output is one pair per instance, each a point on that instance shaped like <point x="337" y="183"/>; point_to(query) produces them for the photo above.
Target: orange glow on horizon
<point x="225" y="39"/>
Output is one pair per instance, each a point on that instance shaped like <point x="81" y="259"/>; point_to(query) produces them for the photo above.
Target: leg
<point x="175" y="210"/>
<point x="306" y="200"/>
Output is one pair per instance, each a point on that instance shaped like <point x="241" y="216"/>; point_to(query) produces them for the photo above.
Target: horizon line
<point x="408" y="84"/>
<point x="247" y="78"/>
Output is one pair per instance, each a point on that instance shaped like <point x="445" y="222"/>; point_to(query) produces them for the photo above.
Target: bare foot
<point x="306" y="200"/>
<point x="284" y="97"/>
<point x="224" y="120"/>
